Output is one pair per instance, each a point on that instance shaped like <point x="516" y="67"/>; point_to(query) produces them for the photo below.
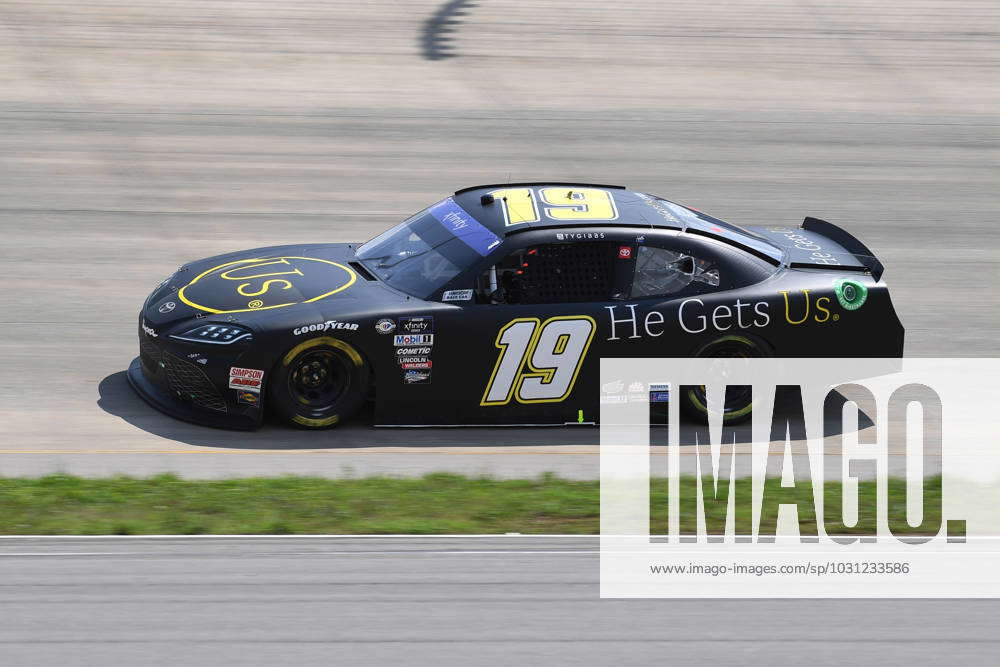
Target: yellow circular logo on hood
<point x="265" y="283"/>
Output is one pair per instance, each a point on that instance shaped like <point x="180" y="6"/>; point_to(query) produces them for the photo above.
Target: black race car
<point x="494" y="306"/>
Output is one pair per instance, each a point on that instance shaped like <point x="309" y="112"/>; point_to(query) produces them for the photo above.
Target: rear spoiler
<point x="849" y="242"/>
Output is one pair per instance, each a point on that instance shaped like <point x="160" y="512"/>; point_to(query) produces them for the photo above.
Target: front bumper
<point x="165" y="377"/>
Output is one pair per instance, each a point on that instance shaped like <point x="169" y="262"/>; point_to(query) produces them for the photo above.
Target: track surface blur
<point x="138" y="135"/>
<point x="433" y="600"/>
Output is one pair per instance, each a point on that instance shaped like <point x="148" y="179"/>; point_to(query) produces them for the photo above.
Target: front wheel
<point x="738" y="403"/>
<point x="319" y="383"/>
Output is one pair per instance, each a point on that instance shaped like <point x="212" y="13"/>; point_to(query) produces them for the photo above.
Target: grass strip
<point x="435" y="503"/>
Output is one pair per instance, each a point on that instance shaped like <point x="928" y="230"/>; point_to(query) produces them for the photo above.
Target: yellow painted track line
<point x="277" y="451"/>
<point x="369" y="451"/>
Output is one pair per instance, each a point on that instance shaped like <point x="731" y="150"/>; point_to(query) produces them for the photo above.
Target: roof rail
<point x="511" y="185"/>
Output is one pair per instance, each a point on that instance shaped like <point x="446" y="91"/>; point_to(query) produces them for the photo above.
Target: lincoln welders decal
<point x="265" y="283"/>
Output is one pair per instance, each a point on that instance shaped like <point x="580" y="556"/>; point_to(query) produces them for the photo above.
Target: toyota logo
<point x="167" y="307"/>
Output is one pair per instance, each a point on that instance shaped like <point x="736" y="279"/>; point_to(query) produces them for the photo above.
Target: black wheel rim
<point x="319" y="379"/>
<point x="737" y="396"/>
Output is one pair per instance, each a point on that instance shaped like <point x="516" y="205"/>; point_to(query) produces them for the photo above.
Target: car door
<point x="531" y="338"/>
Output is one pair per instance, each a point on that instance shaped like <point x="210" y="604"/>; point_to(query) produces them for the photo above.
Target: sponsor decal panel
<point x="802" y="242"/>
<point x="851" y="294"/>
<point x="660" y="206"/>
<point x="264" y="283"/>
<point x="804" y="307"/>
<point x="408" y="340"/>
<point x="693" y="316"/>
<point x="637" y="392"/>
<point x="416" y="364"/>
<point x="246" y="379"/>
<point x="198" y="358"/>
<point x="414" y="376"/>
<point x="415" y="325"/>
<point x="404" y="351"/>
<point x="412" y="360"/>
<point x="457" y="295"/>
<point x="325" y="326"/>
<point x="247" y="397"/>
<point x="464" y="227"/>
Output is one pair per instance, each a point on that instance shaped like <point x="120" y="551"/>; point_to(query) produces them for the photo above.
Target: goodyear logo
<point x="265" y="283"/>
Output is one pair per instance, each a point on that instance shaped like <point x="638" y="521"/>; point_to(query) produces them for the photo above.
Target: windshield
<point x="419" y="256"/>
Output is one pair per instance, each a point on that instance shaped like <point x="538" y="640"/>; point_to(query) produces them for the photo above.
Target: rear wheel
<point x="738" y="404"/>
<point x="319" y="383"/>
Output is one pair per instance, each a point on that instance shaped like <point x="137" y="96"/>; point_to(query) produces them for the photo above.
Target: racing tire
<point x="739" y="401"/>
<point x="319" y="383"/>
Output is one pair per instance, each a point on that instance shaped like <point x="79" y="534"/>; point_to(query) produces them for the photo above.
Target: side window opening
<point x="552" y="273"/>
<point x="662" y="272"/>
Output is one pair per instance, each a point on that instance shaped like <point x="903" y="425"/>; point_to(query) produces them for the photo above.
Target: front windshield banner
<point x="465" y="228"/>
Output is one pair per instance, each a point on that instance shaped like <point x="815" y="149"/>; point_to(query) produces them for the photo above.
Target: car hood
<point x="253" y="284"/>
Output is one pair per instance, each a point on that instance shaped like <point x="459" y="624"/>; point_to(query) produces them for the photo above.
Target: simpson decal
<point x="246" y="379"/>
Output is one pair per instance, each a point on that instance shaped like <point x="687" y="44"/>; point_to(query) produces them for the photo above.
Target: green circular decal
<point x="850" y="293"/>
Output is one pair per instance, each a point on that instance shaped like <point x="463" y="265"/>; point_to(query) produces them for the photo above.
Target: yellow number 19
<point x="558" y="203"/>
<point x="553" y="351"/>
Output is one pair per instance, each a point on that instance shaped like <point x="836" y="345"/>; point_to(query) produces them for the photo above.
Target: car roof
<point x="628" y="208"/>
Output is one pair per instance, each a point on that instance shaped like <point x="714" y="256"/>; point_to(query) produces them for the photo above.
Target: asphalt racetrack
<point x="426" y="600"/>
<point x="135" y="136"/>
